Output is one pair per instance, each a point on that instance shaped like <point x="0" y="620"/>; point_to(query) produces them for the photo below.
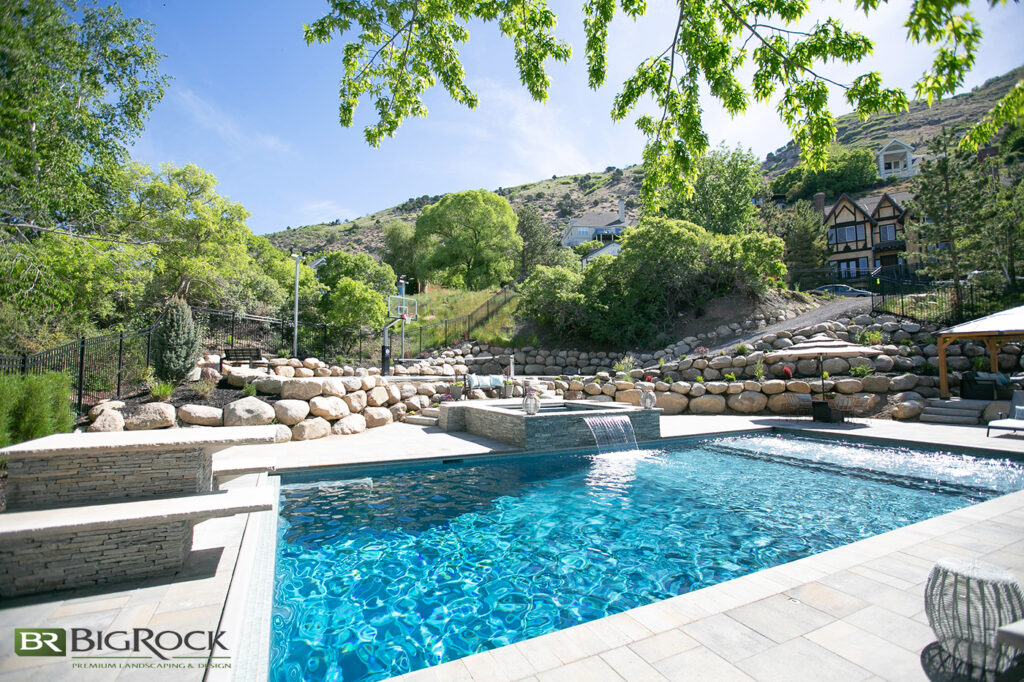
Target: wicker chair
<point x="966" y="602"/>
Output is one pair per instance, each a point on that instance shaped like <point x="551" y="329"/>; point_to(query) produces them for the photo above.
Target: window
<point x="850" y="233"/>
<point x="855" y="267"/>
<point x="887" y="232"/>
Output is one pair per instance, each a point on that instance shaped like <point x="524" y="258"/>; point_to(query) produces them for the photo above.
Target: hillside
<point x="562" y="197"/>
<point x="557" y="198"/>
<point x="918" y="124"/>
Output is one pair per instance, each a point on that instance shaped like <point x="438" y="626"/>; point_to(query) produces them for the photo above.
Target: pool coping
<point x="607" y="647"/>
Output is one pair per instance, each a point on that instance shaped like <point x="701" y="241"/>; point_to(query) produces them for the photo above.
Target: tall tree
<point x="361" y="267"/>
<point x="946" y="201"/>
<point x="76" y="86"/>
<point x="397" y="49"/>
<point x="540" y="245"/>
<point x="727" y="183"/>
<point x="994" y="241"/>
<point x="402" y="252"/>
<point x="470" y="237"/>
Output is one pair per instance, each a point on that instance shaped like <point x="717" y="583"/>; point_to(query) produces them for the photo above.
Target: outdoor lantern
<point x="647" y="400"/>
<point x="531" y="403"/>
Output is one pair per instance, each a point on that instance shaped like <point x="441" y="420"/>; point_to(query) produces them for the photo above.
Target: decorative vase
<point x="648" y="399"/>
<point x="531" y="403"/>
<point x="456" y="392"/>
<point x="506" y="390"/>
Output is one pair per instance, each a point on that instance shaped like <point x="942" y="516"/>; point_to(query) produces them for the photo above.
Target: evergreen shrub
<point x="33" y="406"/>
<point x="177" y="343"/>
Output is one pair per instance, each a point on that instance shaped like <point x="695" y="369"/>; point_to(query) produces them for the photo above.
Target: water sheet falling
<point x="612" y="432"/>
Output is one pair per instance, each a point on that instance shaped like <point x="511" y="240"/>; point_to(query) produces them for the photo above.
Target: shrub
<point x="176" y="342"/>
<point x="824" y="375"/>
<point x="867" y="338"/>
<point x="742" y="349"/>
<point x="759" y="370"/>
<point x="161" y="391"/>
<point x="249" y="390"/>
<point x="625" y="364"/>
<point x="861" y="371"/>
<point x="978" y="363"/>
<point x="204" y="388"/>
<point x="906" y="342"/>
<point x="34" y="406"/>
<point x="700" y="378"/>
<point x="730" y="377"/>
<point x="283" y="353"/>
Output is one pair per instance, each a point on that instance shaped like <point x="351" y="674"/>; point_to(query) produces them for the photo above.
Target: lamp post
<point x="295" y="328"/>
<point x="401" y="292"/>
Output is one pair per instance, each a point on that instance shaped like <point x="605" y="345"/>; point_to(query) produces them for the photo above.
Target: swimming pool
<point x="384" y="571"/>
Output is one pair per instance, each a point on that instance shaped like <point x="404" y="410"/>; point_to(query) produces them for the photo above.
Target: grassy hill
<point x="918" y="124"/>
<point x="563" y="197"/>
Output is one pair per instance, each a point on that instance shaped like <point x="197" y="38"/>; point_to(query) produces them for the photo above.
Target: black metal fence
<point x="944" y="304"/>
<point x="114" y="365"/>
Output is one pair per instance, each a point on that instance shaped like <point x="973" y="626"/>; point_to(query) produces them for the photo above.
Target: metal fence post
<point x="149" y="344"/>
<point x="81" y="372"/>
<point x="120" y="360"/>
<point x="24" y="363"/>
<point x="323" y="340"/>
<point x="232" y="336"/>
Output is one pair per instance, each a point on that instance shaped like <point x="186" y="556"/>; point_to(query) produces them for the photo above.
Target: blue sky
<point x="253" y="104"/>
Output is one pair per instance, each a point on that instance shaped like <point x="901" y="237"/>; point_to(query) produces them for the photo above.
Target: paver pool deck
<point x="852" y="613"/>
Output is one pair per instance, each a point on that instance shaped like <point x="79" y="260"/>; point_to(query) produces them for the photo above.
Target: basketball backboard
<point x="402" y="308"/>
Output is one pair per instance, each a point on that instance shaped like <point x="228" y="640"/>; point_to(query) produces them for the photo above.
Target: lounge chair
<point x="1014" y="421"/>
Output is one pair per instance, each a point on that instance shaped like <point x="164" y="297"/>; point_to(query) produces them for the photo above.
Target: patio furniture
<point x="253" y="357"/>
<point x="1014" y="421"/>
<point x="966" y="603"/>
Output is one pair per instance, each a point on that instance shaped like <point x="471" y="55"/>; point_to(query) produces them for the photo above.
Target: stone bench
<point x="55" y="549"/>
<point x="73" y="469"/>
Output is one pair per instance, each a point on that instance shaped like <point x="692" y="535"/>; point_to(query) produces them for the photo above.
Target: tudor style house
<point x="866" y="234"/>
<point x="602" y="226"/>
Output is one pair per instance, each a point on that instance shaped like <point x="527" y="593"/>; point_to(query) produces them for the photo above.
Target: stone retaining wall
<point x="91" y="557"/>
<point x="77" y="478"/>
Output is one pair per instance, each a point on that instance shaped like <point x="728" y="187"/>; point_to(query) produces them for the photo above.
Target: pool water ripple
<point x="431" y="563"/>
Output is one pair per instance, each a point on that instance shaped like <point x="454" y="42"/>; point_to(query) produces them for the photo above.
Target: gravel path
<point x="842" y="307"/>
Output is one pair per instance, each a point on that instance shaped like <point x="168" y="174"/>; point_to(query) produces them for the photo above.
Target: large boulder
<point x="356" y="401"/>
<point x="308" y="429"/>
<point x="334" y="386"/>
<point x="353" y="423"/>
<point x="238" y="377"/>
<point x="629" y="395"/>
<point x="707" y="404"/>
<point x="291" y="412"/>
<point x="201" y="415"/>
<point x="270" y="385"/>
<point x="407" y="391"/>
<point x="99" y="408"/>
<point x="903" y="382"/>
<point x="836" y="366"/>
<point x="151" y="416"/>
<point x="592" y="388"/>
<point x="680" y="387"/>
<point x="797" y="386"/>
<point x="301" y="389"/>
<point x="377" y="397"/>
<point x="672" y="403"/>
<point x="779" y="403"/>
<point x="875" y="384"/>
<point x="907" y="409"/>
<point x="996" y="410"/>
<point x="286" y="371"/>
<point x="747" y="402"/>
<point x="394" y="395"/>
<point x="848" y="385"/>
<point x="352" y="383"/>
<point x="330" y="407"/>
<point x="250" y="411"/>
<point x="107" y="420"/>
<point x="377" y="416"/>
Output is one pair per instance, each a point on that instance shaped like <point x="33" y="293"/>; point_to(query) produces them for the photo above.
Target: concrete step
<point x="960" y="404"/>
<point x="951" y="412"/>
<point x="947" y="419"/>
<point x="431" y="411"/>
<point x="420" y="420"/>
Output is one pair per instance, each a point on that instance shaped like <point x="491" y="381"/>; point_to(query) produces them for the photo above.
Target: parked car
<point x="840" y="290"/>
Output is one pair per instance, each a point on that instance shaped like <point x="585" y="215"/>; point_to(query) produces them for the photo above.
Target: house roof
<point x="868" y="205"/>
<point x="894" y="142"/>
<point x="606" y="247"/>
<point x="1006" y="322"/>
<point x="600" y="219"/>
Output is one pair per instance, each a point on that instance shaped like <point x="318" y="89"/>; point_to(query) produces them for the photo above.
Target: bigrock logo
<point x="40" y="642"/>
<point x="163" y="644"/>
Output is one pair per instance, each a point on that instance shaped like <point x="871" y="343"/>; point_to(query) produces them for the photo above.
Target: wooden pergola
<point x="995" y="331"/>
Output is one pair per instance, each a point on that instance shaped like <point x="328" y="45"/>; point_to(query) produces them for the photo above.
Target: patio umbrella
<point x="822" y="346"/>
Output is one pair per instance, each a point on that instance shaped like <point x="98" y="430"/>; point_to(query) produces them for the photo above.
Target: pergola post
<point x="942" y="344"/>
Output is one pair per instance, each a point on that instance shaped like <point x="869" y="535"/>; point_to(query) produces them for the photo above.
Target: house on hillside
<point x="898" y="160"/>
<point x="866" y="234"/>
<point x="602" y="226"/>
<point x="610" y="249"/>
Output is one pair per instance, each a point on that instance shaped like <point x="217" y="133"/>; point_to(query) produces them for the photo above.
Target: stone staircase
<point x="428" y="416"/>
<point x="955" y="411"/>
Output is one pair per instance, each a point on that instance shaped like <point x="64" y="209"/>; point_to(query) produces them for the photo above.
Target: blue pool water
<point x="385" y="571"/>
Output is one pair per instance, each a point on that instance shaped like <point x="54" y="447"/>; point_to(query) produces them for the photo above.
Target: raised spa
<point x="558" y="425"/>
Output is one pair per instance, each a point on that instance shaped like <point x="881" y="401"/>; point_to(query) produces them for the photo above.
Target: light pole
<point x="295" y="329"/>
<point x="401" y="292"/>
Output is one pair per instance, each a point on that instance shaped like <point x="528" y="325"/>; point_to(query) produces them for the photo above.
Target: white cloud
<point x="208" y="115"/>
